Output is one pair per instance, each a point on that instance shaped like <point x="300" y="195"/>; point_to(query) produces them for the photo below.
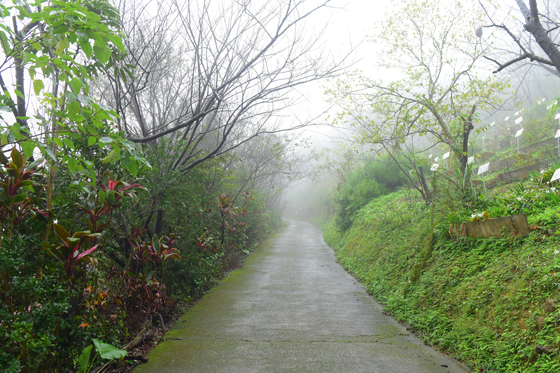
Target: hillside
<point x="489" y="302"/>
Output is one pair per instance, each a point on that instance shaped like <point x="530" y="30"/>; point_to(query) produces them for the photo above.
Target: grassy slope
<point x="483" y="300"/>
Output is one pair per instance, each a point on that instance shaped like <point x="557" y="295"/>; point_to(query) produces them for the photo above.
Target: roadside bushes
<point x="93" y="266"/>
<point x="372" y="180"/>
<point x="53" y="295"/>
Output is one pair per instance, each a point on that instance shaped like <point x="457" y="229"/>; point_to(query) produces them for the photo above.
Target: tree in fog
<point x="532" y="37"/>
<point x="209" y="76"/>
<point x="212" y="75"/>
<point x="268" y="164"/>
<point x="436" y="57"/>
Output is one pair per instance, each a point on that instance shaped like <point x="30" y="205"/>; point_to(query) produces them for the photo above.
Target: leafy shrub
<point x="366" y="183"/>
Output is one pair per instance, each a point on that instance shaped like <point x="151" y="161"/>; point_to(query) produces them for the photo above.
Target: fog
<point x="529" y="83"/>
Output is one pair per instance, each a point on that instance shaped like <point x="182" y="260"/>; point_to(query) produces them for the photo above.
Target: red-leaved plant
<point x="15" y="204"/>
<point x="106" y="200"/>
<point x="71" y="253"/>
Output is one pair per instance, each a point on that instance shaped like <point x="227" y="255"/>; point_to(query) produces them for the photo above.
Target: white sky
<point x="349" y="23"/>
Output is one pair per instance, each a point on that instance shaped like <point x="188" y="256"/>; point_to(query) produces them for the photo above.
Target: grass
<point x="490" y="303"/>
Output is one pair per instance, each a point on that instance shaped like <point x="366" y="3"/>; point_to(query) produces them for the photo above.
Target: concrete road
<point x="292" y="309"/>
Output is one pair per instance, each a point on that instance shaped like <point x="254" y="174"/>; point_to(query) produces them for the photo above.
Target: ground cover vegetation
<point x="90" y="266"/>
<point x="490" y="302"/>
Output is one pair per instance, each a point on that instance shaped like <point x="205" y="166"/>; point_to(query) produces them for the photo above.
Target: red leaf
<point x="61" y="232"/>
<point x="87" y="252"/>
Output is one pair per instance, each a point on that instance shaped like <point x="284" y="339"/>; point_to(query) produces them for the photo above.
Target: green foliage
<point x="104" y="350"/>
<point x="94" y="281"/>
<point x="83" y="361"/>
<point x="50" y="46"/>
<point x="107" y="351"/>
<point x="436" y="98"/>
<point x="366" y="183"/>
<point x="535" y="197"/>
<point x="491" y="303"/>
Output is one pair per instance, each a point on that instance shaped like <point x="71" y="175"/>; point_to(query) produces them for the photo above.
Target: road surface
<point x="291" y="308"/>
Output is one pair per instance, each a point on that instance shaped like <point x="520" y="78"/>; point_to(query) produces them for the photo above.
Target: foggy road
<point x="292" y="309"/>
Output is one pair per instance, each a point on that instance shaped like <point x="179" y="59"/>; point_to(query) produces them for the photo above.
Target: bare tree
<point x="543" y="29"/>
<point x="209" y="76"/>
<point x="213" y="75"/>
<point x="268" y="164"/>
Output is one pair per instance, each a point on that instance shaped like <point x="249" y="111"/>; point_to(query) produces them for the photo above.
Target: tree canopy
<point x="438" y="87"/>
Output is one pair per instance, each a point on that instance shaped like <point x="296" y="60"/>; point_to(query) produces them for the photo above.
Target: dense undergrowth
<point x="489" y="302"/>
<point x="103" y="240"/>
<point x="97" y="268"/>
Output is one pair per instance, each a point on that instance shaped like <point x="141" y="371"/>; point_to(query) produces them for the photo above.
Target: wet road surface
<point x="292" y="309"/>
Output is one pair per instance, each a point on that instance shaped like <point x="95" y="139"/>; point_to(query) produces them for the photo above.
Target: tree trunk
<point x="426" y="194"/>
<point x="534" y="26"/>
<point x="20" y="78"/>
<point x="467" y="128"/>
<point x="159" y="222"/>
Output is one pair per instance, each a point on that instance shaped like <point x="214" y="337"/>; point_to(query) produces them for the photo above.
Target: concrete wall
<point x="516" y="225"/>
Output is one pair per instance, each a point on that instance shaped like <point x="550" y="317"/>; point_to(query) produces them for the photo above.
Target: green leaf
<point x="108" y="352"/>
<point x="19" y="198"/>
<point x="3" y="159"/>
<point x="117" y="40"/>
<point x="27" y="147"/>
<point x="105" y="140"/>
<point x="86" y="47"/>
<point x="102" y="54"/>
<point x="133" y="168"/>
<point x="73" y="109"/>
<point x="72" y="164"/>
<point x="102" y="196"/>
<point x="99" y="40"/>
<point x="61" y="232"/>
<point x="76" y="85"/>
<point x="91" y="140"/>
<point x="155" y="242"/>
<point x="71" y="97"/>
<point x="62" y="45"/>
<point x="5" y="43"/>
<point x="129" y="144"/>
<point x="61" y="30"/>
<point x="69" y="143"/>
<point x="83" y="361"/>
<point x="38" y="86"/>
<point x="47" y="151"/>
<point x="113" y="156"/>
<point x="111" y="198"/>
